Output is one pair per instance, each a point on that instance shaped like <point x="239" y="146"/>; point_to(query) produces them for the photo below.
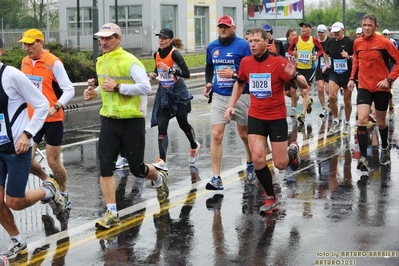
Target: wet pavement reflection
<point x="329" y="212"/>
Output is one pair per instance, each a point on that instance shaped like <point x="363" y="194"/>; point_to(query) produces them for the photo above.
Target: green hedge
<point x="79" y="64"/>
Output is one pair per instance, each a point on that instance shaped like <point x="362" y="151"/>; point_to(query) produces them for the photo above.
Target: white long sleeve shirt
<point x="19" y="90"/>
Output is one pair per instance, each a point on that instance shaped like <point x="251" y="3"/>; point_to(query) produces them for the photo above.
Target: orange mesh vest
<point x="164" y="77"/>
<point x="42" y="77"/>
<point x="272" y="47"/>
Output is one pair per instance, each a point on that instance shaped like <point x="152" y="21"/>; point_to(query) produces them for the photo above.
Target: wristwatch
<point x="56" y="107"/>
<point x="29" y="135"/>
<point x="389" y="79"/>
<point x="116" y="88"/>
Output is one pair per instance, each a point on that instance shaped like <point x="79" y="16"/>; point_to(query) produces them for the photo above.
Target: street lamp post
<point x="96" y="49"/>
<point x="47" y="22"/>
<point x="2" y="31"/>
<point x="343" y="14"/>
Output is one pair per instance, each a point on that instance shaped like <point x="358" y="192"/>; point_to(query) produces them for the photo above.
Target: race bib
<point x="3" y="131"/>
<point x="323" y="63"/>
<point x="165" y="78"/>
<point x="340" y="65"/>
<point x="260" y="85"/>
<point x="304" y="57"/>
<point x="224" y="82"/>
<point x="37" y="81"/>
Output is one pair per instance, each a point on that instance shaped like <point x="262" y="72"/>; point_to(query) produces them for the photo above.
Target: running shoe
<point x="362" y="164"/>
<point x="163" y="190"/>
<point x="323" y="113"/>
<point x="293" y="113"/>
<point x="109" y="220"/>
<point x="301" y="119"/>
<point x="372" y="119"/>
<point x="63" y="216"/>
<point x="270" y="205"/>
<point x="14" y="249"/>
<point x="309" y="108"/>
<point x="251" y="174"/>
<point x="194" y="154"/>
<point x="160" y="165"/>
<point x="215" y="183"/>
<point x="335" y="127"/>
<point x="294" y="148"/>
<point x="57" y="202"/>
<point x="121" y="163"/>
<point x="347" y="129"/>
<point x="385" y="156"/>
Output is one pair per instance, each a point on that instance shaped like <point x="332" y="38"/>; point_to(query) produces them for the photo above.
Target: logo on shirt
<point x="216" y="53"/>
<point x="229" y="54"/>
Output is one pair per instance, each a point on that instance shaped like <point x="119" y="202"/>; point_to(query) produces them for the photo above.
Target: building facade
<point x="193" y="21"/>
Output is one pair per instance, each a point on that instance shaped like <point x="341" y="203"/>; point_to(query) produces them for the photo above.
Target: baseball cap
<point x="30" y="36"/>
<point x="307" y="24"/>
<point x="386" y="31"/>
<point x="359" y="30"/>
<point x="109" y="29"/>
<point x="226" y="20"/>
<point x="166" y="32"/>
<point x="321" y="27"/>
<point x="337" y="26"/>
<point x="268" y="27"/>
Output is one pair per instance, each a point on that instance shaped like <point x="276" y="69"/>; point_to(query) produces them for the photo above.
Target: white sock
<point x="158" y="183"/>
<point x="48" y="192"/>
<point x="112" y="207"/>
<point x="18" y="238"/>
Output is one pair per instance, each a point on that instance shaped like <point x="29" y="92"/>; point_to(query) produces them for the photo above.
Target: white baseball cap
<point x="359" y="30"/>
<point x="386" y="31"/>
<point x="337" y="26"/>
<point x="321" y="27"/>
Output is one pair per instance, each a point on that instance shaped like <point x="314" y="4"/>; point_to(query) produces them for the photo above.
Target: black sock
<point x="384" y="137"/>
<point x="265" y="178"/>
<point x="362" y="136"/>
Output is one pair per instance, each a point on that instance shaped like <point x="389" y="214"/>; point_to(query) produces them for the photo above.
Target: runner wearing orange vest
<point x="274" y="46"/>
<point x="48" y="74"/>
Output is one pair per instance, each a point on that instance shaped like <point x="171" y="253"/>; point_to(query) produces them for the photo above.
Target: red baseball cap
<point x="226" y="20"/>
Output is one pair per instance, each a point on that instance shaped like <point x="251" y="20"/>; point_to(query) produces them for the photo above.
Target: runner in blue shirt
<point x="223" y="57"/>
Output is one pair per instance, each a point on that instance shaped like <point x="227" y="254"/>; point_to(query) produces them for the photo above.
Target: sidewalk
<point x="196" y="80"/>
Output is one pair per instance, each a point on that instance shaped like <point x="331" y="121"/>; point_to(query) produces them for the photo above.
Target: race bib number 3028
<point x="260" y="85"/>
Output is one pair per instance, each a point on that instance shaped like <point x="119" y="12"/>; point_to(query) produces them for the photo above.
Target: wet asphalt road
<point x="328" y="213"/>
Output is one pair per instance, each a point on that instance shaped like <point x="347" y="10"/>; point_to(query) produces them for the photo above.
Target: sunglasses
<point x="385" y="34"/>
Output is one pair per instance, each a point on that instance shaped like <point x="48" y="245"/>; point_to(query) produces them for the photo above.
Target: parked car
<point x="283" y="39"/>
<point x="395" y="35"/>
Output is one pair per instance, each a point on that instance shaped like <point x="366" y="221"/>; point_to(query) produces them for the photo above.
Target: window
<point x="231" y="11"/>
<point x="168" y="17"/>
<point x="129" y="18"/>
<point x="86" y="21"/>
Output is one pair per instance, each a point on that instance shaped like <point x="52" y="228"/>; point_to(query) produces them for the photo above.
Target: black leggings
<point x="163" y="117"/>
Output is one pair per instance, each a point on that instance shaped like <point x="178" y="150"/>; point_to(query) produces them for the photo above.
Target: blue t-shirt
<point x="230" y="56"/>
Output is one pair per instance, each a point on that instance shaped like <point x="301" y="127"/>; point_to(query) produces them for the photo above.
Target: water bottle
<point x="4" y="261"/>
